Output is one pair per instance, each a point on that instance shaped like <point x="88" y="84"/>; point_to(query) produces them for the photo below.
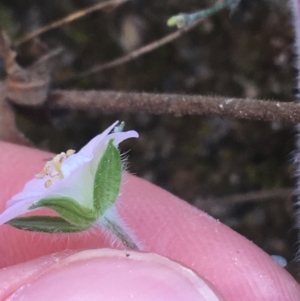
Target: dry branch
<point x="136" y="53"/>
<point x="110" y="101"/>
<point x="68" y="19"/>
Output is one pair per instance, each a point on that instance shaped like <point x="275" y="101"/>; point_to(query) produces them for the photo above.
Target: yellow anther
<point x="52" y="168"/>
<point x="70" y="152"/>
<point x="55" y="175"/>
<point x="45" y="170"/>
<point x="40" y="175"/>
<point x="48" y="183"/>
<point x="60" y="158"/>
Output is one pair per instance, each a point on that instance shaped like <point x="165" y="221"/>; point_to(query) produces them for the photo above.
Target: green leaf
<point x="107" y="180"/>
<point x="49" y="224"/>
<point x="69" y="210"/>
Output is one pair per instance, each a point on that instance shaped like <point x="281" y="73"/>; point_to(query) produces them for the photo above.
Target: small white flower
<point x="69" y="177"/>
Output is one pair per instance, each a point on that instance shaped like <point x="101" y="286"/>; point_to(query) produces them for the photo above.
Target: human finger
<point x="164" y="225"/>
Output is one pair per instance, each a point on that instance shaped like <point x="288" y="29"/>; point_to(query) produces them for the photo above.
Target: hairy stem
<point x="176" y="104"/>
<point x="120" y="233"/>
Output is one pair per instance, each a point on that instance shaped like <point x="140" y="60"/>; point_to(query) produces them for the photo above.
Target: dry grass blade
<point x="136" y="53"/>
<point x="68" y="19"/>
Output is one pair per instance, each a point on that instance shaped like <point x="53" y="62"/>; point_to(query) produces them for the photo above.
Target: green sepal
<point x="69" y="210"/>
<point x="48" y="224"/>
<point x="107" y="180"/>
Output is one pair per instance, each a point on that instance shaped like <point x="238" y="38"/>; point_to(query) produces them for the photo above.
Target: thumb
<point x="111" y="274"/>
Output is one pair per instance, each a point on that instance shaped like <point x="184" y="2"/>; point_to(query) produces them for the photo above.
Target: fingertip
<point x="164" y="225"/>
<point x="113" y="275"/>
<point x="173" y="228"/>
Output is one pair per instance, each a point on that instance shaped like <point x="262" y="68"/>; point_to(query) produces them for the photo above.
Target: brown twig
<point x="176" y="104"/>
<point x="68" y="19"/>
<point x="136" y="53"/>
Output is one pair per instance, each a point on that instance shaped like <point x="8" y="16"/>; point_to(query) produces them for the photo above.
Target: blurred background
<point x="203" y="160"/>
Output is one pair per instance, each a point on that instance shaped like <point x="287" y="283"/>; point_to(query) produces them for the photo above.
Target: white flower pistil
<point x="53" y="169"/>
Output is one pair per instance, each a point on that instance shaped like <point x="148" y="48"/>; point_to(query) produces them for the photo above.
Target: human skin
<point x="161" y="222"/>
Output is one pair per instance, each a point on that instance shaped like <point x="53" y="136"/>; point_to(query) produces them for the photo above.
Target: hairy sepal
<point x="107" y="180"/>
<point x="47" y="224"/>
<point x="69" y="210"/>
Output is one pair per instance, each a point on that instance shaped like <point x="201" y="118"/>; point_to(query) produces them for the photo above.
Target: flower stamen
<point x="48" y="183"/>
<point x="70" y="152"/>
<point x="52" y="168"/>
<point x="40" y="175"/>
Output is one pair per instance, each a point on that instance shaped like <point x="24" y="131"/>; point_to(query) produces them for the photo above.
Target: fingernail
<point x="117" y="275"/>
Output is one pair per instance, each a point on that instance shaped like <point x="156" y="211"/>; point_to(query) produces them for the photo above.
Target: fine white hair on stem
<point x="112" y="221"/>
<point x="124" y="160"/>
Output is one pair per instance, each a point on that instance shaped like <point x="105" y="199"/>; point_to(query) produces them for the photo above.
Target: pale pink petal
<point x="79" y="186"/>
<point x="33" y="188"/>
<point x="36" y="187"/>
<point x="73" y="162"/>
<point x="95" y="147"/>
<point x="119" y="137"/>
<point x="16" y="210"/>
<point x="88" y="149"/>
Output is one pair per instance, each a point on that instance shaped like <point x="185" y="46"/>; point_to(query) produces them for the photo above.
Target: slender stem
<point x="132" y="55"/>
<point x="176" y="104"/>
<point x="207" y="12"/>
<point x="120" y="233"/>
<point x="68" y="19"/>
<point x="183" y="19"/>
